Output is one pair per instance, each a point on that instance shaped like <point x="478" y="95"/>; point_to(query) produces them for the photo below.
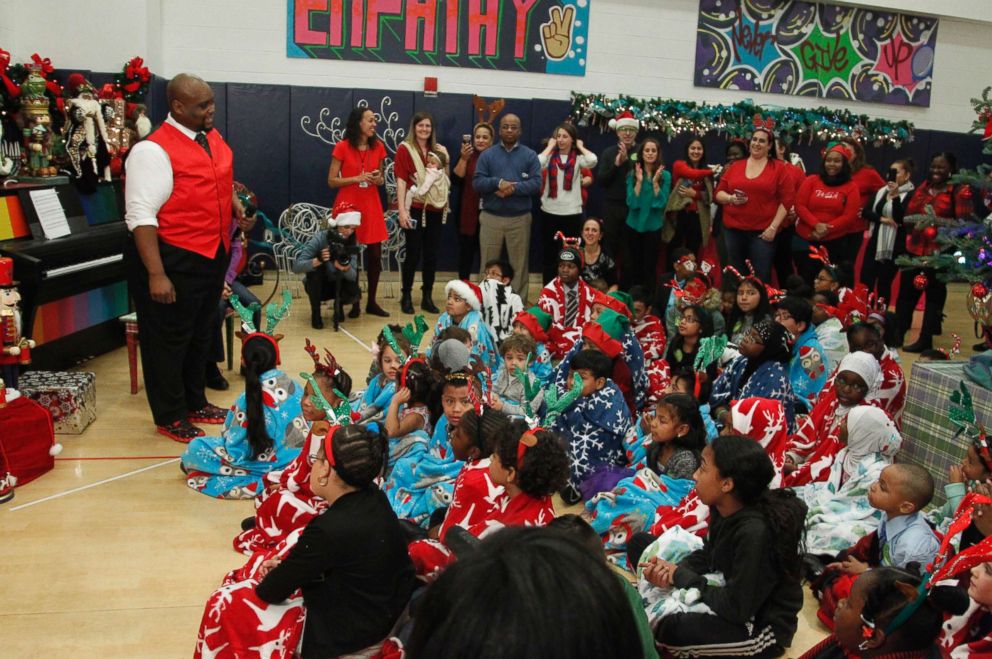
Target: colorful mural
<point x="815" y="49"/>
<point x="540" y="36"/>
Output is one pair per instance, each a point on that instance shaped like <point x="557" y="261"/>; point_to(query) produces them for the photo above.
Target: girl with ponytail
<point x="263" y="432"/>
<point x="755" y="541"/>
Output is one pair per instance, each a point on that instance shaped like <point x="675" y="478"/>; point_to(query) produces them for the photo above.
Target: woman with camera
<point x="421" y="172"/>
<point x="330" y="262"/>
<point x="884" y="213"/>
<point x="468" y="213"/>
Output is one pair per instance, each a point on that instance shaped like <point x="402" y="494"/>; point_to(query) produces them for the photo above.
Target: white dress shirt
<point x="149" y="179"/>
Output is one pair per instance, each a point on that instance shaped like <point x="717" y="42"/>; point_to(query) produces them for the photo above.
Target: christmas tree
<point x="965" y="245"/>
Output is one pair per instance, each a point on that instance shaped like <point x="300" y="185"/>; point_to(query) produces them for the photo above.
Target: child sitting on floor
<point x="534" y="323"/>
<point x="509" y="395"/>
<point x="753" y="542"/>
<point x="594" y="425"/>
<point x="903" y="538"/>
<point x="610" y="334"/>
<point x="422" y="482"/>
<point x="462" y="309"/>
<point x="500" y="305"/>
<point x="568" y="300"/>
<point x="287" y="502"/>
<point x="475" y="496"/>
<point x="409" y="429"/>
<point x="976" y="468"/>
<point x="829" y="329"/>
<point x="263" y="432"/>
<point x="390" y="351"/>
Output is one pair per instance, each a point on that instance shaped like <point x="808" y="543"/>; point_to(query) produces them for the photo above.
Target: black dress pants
<point x="422" y="242"/>
<point x="175" y="338"/>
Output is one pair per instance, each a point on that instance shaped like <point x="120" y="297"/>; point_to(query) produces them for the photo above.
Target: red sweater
<point x="953" y="202"/>
<point x="869" y="181"/>
<point x="836" y="206"/>
<point x="765" y="192"/>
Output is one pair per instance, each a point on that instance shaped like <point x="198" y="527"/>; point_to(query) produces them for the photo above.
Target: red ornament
<point x="979" y="290"/>
<point x="930" y="233"/>
<point x="921" y="281"/>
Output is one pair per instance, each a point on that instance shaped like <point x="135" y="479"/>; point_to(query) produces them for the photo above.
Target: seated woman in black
<point x="351" y="561"/>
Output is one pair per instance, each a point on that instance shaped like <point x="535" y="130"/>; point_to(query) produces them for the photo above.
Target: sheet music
<point x="51" y="215"/>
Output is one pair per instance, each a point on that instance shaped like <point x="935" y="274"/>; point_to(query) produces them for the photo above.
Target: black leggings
<point x="688" y="234"/>
<point x="468" y="249"/>
<point x="641" y="264"/>
<point x="422" y="241"/>
<point x="909" y="295"/>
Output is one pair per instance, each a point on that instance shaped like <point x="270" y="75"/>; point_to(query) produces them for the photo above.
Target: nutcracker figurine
<point x="16" y="348"/>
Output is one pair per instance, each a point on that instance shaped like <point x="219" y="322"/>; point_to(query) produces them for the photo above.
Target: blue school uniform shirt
<point x="906" y="539"/>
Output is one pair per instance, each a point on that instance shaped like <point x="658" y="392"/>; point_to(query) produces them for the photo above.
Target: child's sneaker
<point x="7" y="487"/>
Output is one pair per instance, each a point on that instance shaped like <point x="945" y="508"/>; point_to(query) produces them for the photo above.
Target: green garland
<point x="674" y="117"/>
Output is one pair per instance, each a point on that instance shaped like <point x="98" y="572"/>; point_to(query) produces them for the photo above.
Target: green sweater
<point x="646" y="212"/>
<point x="640" y="618"/>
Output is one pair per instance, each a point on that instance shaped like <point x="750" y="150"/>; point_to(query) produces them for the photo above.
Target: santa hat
<point x="625" y="120"/>
<point x="77" y="84"/>
<point x="345" y="215"/>
<point x="537" y="321"/>
<point x="606" y="332"/>
<point x="467" y="291"/>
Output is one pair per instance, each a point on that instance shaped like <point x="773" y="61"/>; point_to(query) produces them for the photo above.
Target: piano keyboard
<point x="84" y="265"/>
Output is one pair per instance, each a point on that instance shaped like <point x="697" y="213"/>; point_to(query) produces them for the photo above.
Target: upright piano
<point x="73" y="288"/>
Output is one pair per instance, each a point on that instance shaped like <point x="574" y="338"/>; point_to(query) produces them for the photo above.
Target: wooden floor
<point x="111" y="555"/>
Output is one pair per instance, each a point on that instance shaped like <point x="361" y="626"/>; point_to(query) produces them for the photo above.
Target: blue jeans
<point x="748" y="245"/>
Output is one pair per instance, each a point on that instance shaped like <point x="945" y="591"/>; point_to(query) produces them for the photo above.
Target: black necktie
<point x="201" y="139"/>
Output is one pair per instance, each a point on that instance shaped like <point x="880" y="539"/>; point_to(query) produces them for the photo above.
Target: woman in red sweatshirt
<point x="828" y="208"/>
<point x="755" y="194"/>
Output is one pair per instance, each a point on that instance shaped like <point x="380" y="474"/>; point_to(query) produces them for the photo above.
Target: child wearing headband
<point x="390" y="351"/>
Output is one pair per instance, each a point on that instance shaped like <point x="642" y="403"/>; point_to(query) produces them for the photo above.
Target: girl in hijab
<point x="839" y="513"/>
<point x="812" y="449"/>
<point x="761" y="371"/>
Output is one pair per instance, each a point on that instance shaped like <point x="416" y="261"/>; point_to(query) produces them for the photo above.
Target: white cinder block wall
<point x="640" y="47"/>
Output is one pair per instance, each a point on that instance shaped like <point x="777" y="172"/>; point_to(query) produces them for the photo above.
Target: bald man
<point x="180" y="203"/>
<point x="507" y="177"/>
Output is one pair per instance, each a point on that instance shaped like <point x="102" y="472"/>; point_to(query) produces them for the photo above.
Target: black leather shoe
<point x="316" y="322"/>
<point x="339" y="315"/>
<point x="406" y="303"/>
<point x="218" y="383"/>
<point x="374" y="309"/>
<point x="427" y="305"/>
<point x="355" y="312"/>
<point x="922" y="343"/>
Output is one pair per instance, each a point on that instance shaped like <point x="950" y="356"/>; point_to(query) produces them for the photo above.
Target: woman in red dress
<point x="356" y="173"/>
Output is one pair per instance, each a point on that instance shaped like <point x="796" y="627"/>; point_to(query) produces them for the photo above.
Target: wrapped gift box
<point x="70" y="396"/>
<point x="928" y="434"/>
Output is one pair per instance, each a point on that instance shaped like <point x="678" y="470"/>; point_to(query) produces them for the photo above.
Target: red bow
<point x="13" y="90"/>
<point x="4" y="59"/>
<point x="135" y="69"/>
<point x="108" y="91"/>
<point x="44" y="64"/>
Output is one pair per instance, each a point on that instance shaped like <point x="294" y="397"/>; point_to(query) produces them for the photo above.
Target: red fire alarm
<point x="430" y="86"/>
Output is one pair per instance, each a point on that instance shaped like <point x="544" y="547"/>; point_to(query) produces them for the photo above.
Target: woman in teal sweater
<point x="648" y="186"/>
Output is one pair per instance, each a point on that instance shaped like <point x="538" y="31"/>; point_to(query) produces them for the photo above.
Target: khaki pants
<point x="515" y="231"/>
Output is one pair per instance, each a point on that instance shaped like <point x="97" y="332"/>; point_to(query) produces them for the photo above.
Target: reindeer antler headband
<point x="273" y="314"/>
<point x="329" y="364"/>
<point x="765" y="124"/>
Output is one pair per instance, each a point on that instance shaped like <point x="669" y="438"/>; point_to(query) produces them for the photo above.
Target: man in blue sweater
<point x="507" y="177"/>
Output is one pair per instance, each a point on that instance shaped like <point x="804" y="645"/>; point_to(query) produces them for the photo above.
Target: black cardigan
<point x="352" y="564"/>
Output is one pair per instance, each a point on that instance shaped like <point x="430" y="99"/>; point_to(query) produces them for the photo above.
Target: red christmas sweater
<point x="764" y="192"/>
<point x="952" y="202"/>
<point x="836" y="206"/>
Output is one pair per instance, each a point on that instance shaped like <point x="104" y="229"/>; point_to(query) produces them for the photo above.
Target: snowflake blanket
<point x="769" y="380"/>
<point x="593" y="427"/>
<point x="223" y="467"/>
<point x="375" y="401"/>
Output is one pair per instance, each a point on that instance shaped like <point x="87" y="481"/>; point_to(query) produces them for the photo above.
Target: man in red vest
<point x="180" y="200"/>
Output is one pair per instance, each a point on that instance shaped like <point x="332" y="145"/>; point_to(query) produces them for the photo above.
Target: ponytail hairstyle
<point x="259" y="355"/>
<point x="419" y="379"/>
<point x="745" y="461"/>
<point x="542" y="468"/>
<point x="482" y="430"/>
<point x="885" y="603"/>
<point x="358" y="454"/>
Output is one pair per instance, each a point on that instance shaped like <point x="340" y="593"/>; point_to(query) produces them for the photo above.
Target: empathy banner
<point x="539" y="36"/>
<point x="815" y="49"/>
